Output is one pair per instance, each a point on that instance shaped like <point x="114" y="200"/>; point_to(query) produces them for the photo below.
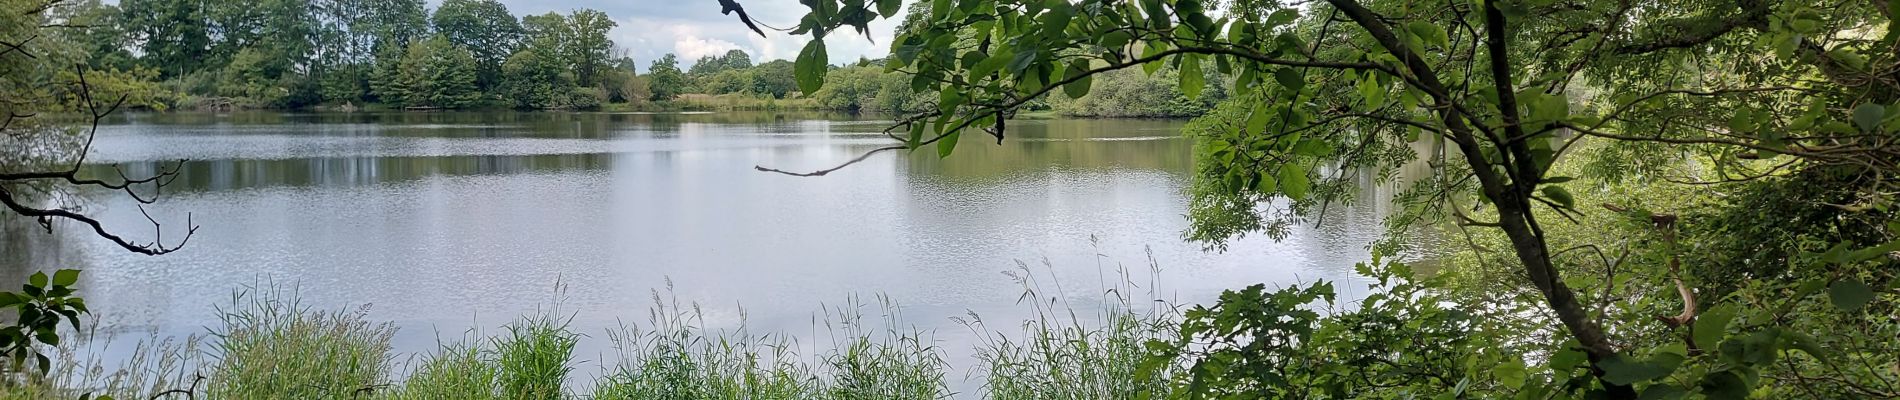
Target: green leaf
<point x="1621" y="370"/>
<point x="1663" y="392"/>
<point x="1281" y="17"/>
<point x="1372" y="91"/>
<point x="889" y="8"/>
<point x="1510" y="373"/>
<point x="948" y="99"/>
<point x="1558" y="195"/>
<point x="1257" y="122"/>
<point x="1080" y="85"/>
<point x="995" y="62"/>
<point x="1058" y="15"/>
<point x="1429" y="33"/>
<point x="1115" y="39"/>
<point x="916" y="134"/>
<point x="1712" y="326"/>
<point x="1893" y="13"/>
<point x="1192" y="80"/>
<point x="1807" y="344"/>
<point x="1289" y="78"/>
<point x="1725" y="385"/>
<point x="811" y="67"/>
<point x="9" y="299"/>
<point x="1243" y="85"/>
<point x="38" y="279"/>
<point x="1293" y="181"/>
<point x="1154" y="47"/>
<point x="1805" y="25"/>
<point x="1850" y="294"/>
<point x="1313" y="148"/>
<point x="1021" y="62"/>
<point x="948" y="144"/>
<point x="1868" y="117"/>
<point x="66" y="277"/>
<point x="1741" y="122"/>
<point x="939" y="9"/>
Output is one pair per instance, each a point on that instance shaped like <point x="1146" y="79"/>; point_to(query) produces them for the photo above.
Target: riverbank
<point x="269" y="345"/>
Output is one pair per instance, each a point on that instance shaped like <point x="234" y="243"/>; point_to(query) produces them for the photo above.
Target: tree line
<point x="303" y="53"/>
<point x="345" y="54"/>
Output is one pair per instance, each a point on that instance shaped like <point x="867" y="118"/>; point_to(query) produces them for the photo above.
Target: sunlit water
<point x="446" y="222"/>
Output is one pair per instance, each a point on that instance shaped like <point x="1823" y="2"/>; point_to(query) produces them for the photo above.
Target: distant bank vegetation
<point x="471" y="54"/>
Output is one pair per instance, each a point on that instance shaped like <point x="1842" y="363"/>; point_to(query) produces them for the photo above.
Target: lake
<point x="442" y="222"/>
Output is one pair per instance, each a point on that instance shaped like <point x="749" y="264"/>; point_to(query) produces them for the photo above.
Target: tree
<point x="105" y="39"/>
<point x="485" y="29"/>
<point x="774" y="78"/>
<point x="727" y="81"/>
<point x="664" y="78"/>
<point x="707" y="65"/>
<point x="589" y="49"/>
<point x="535" y="79"/>
<point x="284" y="33"/>
<point x="171" y="34"/>
<point x="736" y="59"/>
<point x="388" y="23"/>
<point x="732" y="60"/>
<point x="1507" y="87"/>
<point x="437" y="74"/>
<point x="45" y="157"/>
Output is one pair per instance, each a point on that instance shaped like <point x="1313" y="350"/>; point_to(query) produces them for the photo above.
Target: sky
<point x="691" y="29"/>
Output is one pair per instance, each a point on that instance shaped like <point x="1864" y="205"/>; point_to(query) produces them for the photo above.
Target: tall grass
<point x="272" y="347"/>
<point x="533" y="357"/>
<point x="1059" y="354"/>
<point x="154" y="365"/>
<point x="680" y="359"/>
<point x="866" y="362"/>
<point x="269" y="346"/>
<point x="457" y="370"/>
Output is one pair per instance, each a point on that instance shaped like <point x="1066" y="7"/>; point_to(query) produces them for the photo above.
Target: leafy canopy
<point x="1502" y="89"/>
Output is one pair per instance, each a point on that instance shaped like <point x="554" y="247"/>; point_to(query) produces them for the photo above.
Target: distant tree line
<point x="293" y="54"/>
<point x="300" y="53"/>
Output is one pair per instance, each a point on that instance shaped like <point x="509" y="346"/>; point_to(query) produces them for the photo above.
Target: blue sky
<point x="693" y="28"/>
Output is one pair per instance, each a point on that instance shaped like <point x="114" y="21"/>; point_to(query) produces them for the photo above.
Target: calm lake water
<point x="446" y="221"/>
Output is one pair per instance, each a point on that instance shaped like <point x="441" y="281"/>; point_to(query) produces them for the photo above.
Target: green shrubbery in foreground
<point x="271" y="347"/>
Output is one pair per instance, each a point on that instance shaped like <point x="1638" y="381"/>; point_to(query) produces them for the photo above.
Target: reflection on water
<point x="445" y="221"/>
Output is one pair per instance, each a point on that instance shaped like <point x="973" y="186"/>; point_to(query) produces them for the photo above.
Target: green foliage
<point x="533" y="358"/>
<point x="1132" y="94"/>
<point x="1326" y="93"/>
<point x="435" y="74"/>
<point x="302" y="53"/>
<point x="732" y="60"/>
<point x="454" y="371"/>
<point x="1062" y="355"/>
<point x="1293" y="343"/>
<point x="535" y="79"/>
<point x="482" y="27"/>
<point x="856" y="89"/>
<point x="664" y="79"/>
<point x="775" y="78"/>
<point x="577" y="42"/>
<point x="271" y="347"/>
<point x="38" y="308"/>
